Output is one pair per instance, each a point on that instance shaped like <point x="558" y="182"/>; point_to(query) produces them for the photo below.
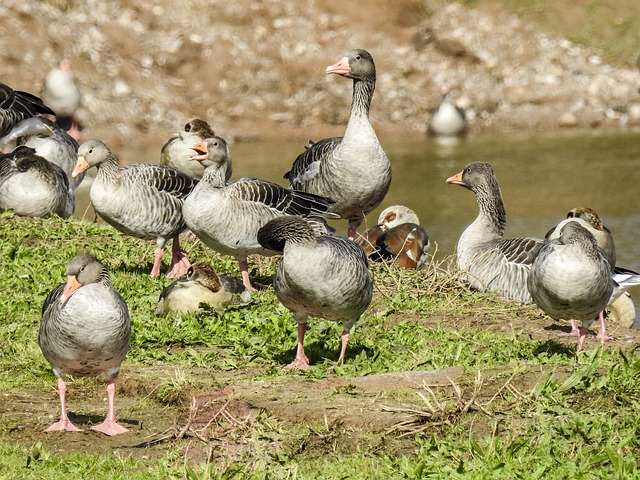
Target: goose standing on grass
<point x="353" y="170"/>
<point x="490" y="261"/>
<point x="177" y="151"/>
<point x="141" y="200"/>
<point x="59" y="148"/>
<point x="397" y="237"/>
<point x="33" y="187"/>
<point x="319" y="275"/>
<point x="200" y="285"/>
<point x="19" y="114"/>
<point x="226" y="216"/>
<point x="571" y="279"/>
<point x="85" y="331"/>
<point x="448" y="120"/>
<point x="62" y="93"/>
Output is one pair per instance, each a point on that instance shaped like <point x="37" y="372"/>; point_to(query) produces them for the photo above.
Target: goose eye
<point x="358" y="57"/>
<point x="215" y="144"/>
<point x="187" y="127"/>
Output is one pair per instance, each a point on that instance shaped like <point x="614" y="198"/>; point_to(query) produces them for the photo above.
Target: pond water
<point x="542" y="177"/>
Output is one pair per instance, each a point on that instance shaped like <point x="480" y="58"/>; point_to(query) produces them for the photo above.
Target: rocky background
<point x="255" y="68"/>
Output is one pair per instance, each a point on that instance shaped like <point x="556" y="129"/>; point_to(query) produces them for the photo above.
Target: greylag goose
<point x="141" y="200"/>
<point x="319" y="275"/>
<point x="33" y="187"/>
<point x="571" y="278"/>
<point x="447" y="120"/>
<point x="353" y="170"/>
<point x="490" y="261"/>
<point x="397" y="237"/>
<point x="177" y="151"/>
<point x="19" y="114"/>
<point x="62" y="93"/>
<point x="59" y="148"/>
<point x="85" y="330"/>
<point x="201" y="285"/>
<point x="226" y="216"/>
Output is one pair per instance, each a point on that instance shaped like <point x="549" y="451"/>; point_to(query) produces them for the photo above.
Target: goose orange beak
<point x="71" y="286"/>
<point x="81" y="166"/>
<point x="340" y="68"/>
<point x="201" y="151"/>
<point x="456" y="179"/>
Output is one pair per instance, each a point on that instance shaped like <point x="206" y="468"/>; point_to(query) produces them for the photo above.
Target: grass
<point x="522" y="405"/>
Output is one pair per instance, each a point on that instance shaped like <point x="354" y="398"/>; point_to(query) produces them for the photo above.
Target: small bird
<point x="448" y="120"/>
<point x="201" y="285"/>
<point x="61" y="92"/>
<point x="33" y="187"/>
<point x="397" y="237"/>
<point x="353" y="170"/>
<point x="141" y="200"/>
<point x="19" y="114"/>
<point x="319" y="275"/>
<point x="490" y="261"/>
<point x="571" y="278"/>
<point x="85" y="330"/>
<point x="177" y="151"/>
<point x="226" y="216"/>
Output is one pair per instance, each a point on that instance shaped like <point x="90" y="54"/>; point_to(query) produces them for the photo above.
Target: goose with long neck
<point x="490" y="261"/>
<point x="140" y="200"/>
<point x="353" y="170"/>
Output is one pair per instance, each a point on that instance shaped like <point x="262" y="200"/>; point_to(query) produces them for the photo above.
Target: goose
<point x="141" y="200"/>
<point x="226" y="216"/>
<point x="85" y="330"/>
<point x="177" y="151"/>
<point x="200" y="285"/>
<point x="33" y="187"/>
<point x="19" y="114"/>
<point x="447" y="120"/>
<point x="571" y="278"/>
<point x="398" y="236"/>
<point x="490" y="261"/>
<point x="59" y="148"/>
<point x="319" y="275"/>
<point x="62" y="93"/>
<point x="353" y="170"/>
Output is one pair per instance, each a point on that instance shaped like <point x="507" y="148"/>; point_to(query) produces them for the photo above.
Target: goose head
<point x="83" y="269"/>
<point x="90" y="154"/>
<point x="211" y="151"/>
<point x="397" y="215"/>
<point x="355" y="64"/>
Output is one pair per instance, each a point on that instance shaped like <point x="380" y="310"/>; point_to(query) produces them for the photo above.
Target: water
<point x="542" y="177"/>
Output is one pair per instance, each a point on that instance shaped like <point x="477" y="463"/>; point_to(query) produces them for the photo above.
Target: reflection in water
<point x="542" y="177"/>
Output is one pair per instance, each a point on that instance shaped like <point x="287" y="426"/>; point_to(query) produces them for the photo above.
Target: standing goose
<point x="85" y="330"/>
<point x="226" y="216"/>
<point x="448" y="120"/>
<point x="62" y="93"/>
<point x="397" y="237"/>
<point x="319" y="275"/>
<point x="141" y="200"/>
<point x="19" y="114"/>
<point x="177" y="151"/>
<point x="33" y="187"/>
<point x="491" y="261"/>
<point x="353" y="169"/>
<point x="571" y="278"/>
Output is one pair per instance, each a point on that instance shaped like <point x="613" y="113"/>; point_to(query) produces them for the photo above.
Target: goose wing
<point x="307" y="165"/>
<point x="163" y="179"/>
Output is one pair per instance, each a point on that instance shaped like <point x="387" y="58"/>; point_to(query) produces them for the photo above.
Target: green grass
<point x="526" y="407"/>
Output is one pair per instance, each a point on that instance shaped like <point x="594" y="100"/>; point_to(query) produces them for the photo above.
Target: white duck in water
<point x="353" y="170"/>
<point x="85" y="330"/>
<point x="448" y="120"/>
<point x="319" y="275"/>
<point x="61" y="92"/>
<point x="141" y="200"/>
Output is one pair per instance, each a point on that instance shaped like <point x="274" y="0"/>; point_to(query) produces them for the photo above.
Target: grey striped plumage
<point x="31" y="186"/>
<point x="353" y="169"/>
<point x="140" y="200"/>
<point x="319" y="275"/>
<point x="17" y="106"/>
<point x="490" y="261"/>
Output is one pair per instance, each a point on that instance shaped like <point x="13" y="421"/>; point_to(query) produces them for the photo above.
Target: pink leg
<point x="351" y="232"/>
<point x="602" y="333"/>
<point x="179" y="261"/>
<point x="575" y="331"/>
<point x="244" y="269"/>
<point x="583" y="336"/>
<point x="110" y="426"/>
<point x="343" y="349"/>
<point x="301" y="361"/>
<point x="64" y="423"/>
<point x="74" y="131"/>
<point x="155" y="271"/>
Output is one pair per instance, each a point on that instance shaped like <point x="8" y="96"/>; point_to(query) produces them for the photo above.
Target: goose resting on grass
<point x="319" y="275"/>
<point x="19" y="114"/>
<point x="226" y="216"/>
<point x="490" y="261"/>
<point x="571" y="279"/>
<point x="141" y="200"/>
<point x="353" y="170"/>
<point x="85" y="330"/>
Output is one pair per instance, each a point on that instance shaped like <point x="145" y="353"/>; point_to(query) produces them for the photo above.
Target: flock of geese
<point x="85" y="328"/>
